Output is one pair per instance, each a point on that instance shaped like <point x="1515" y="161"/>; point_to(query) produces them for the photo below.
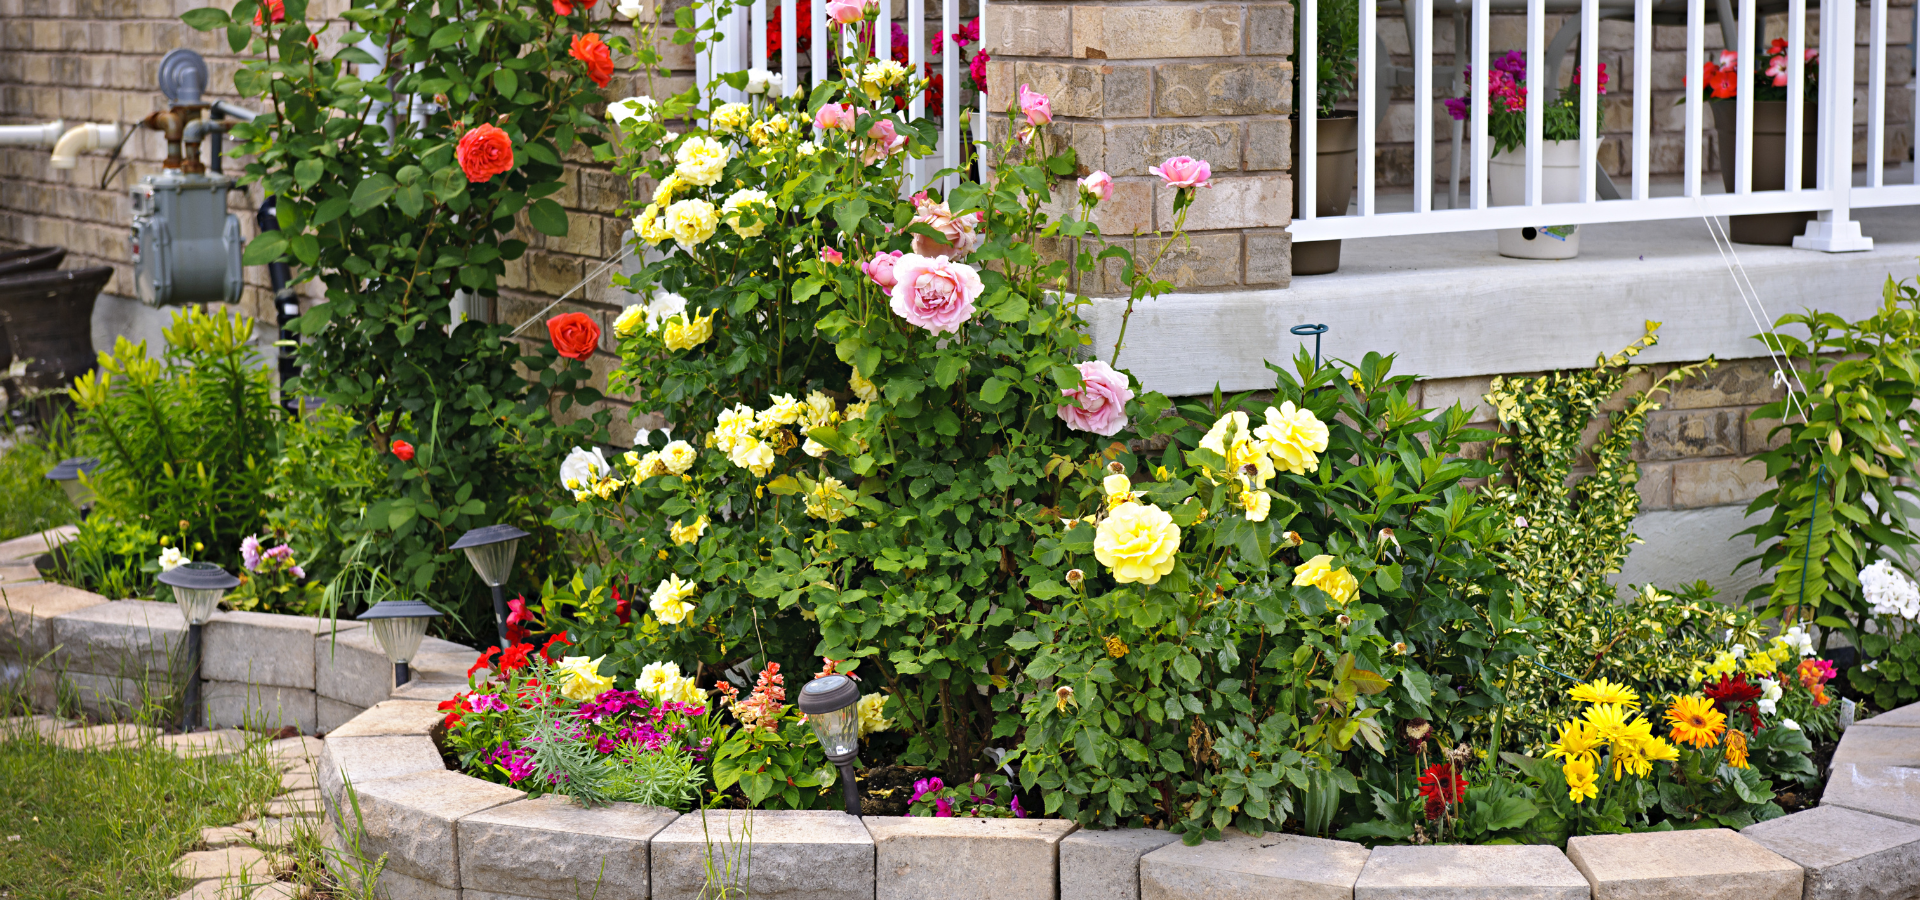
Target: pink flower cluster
<point x="1099" y="405"/>
<point x="517" y="762"/>
<point x="934" y="293"/>
<point x="763" y="707"/>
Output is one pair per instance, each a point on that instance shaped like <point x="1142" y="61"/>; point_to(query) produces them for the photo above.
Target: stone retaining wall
<point x="112" y="657"/>
<point x="447" y="835"/>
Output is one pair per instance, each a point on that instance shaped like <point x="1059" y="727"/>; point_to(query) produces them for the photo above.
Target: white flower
<point x="1789" y="723"/>
<point x="1798" y="639"/>
<point x="808" y="148"/>
<point x="1768" y="705"/>
<point x="678" y="457"/>
<point x="629" y="9"/>
<point x="1890" y="592"/>
<point x="639" y="108"/>
<point x="582" y="468"/>
<point x="171" y="558"/>
<point x="758" y="80"/>
<point x="1739" y="650"/>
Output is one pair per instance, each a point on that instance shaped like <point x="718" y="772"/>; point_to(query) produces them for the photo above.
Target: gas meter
<point x="186" y="246"/>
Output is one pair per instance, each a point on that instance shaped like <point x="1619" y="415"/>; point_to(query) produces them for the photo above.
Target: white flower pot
<point x="1559" y="183"/>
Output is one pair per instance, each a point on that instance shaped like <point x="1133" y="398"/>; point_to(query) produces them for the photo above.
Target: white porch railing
<point x="743" y="46"/>
<point x="1833" y="197"/>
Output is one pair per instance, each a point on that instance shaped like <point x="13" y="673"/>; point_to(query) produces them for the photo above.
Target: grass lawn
<point x="110" y="823"/>
<point x="28" y="501"/>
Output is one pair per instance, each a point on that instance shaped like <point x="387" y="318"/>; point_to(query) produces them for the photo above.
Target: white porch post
<point x="1835" y="231"/>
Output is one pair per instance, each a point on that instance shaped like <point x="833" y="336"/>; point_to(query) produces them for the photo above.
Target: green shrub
<point x="33" y="503"/>
<point x="321" y="484"/>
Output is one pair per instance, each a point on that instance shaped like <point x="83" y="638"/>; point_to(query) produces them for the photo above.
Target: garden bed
<point x="444" y="832"/>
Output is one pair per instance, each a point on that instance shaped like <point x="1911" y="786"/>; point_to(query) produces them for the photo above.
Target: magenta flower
<point x="936" y="294"/>
<point x="943" y="808"/>
<point x="1099" y="406"/>
<point x="1018" y="813"/>
<point x="926" y="786"/>
<point x="1184" y="172"/>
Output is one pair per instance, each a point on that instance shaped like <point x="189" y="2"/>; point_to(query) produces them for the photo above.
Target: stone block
<point x="1717" y="482"/>
<point x="411" y="819"/>
<point x="103" y="737"/>
<point x="258" y="707"/>
<point x="797" y="855"/>
<point x="1020" y="30"/>
<point x="1154" y="32"/>
<point x="923" y="858"/>
<point x="260" y="648"/>
<point x="1123" y="149"/>
<point x="1461" y="872"/>
<point x="430" y="691"/>
<point x="107" y="697"/>
<point x="1248" y="201"/>
<point x="366" y="759"/>
<point x="332" y="714"/>
<point x="244" y="890"/>
<point x="1880" y="788"/>
<point x="1269" y="258"/>
<point x="27" y="612"/>
<point x="1209" y="261"/>
<point x="1270" y="30"/>
<point x="205" y="744"/>
<point x="445" y="662"/>
<point x="1105" y="865"/>
<point x="1686" y="434"/>
<point x="121" y="638"/>
<point x="350" y="667"/>
<point x="1083" y="91"/>
<point x="1711" y="864"/>
<point x="1655" y="486"/>
<point x="1759" y="435"/>
<point x="1872" y="743"/>
<point x="1905" y="717"/>
<point x="44" y="726"/>
<point x="242" y="864"/>
<point x="394" y="717"/>
<point x="1242" y="867"/>
<point x="1236" y="88"/>
<point x="301" y="750"/>
<point x="1847" y="855"/>
<point x="1470" y="393"/>
<point x="1269" y="144"/>
<point x="32" y="545"/>
<point x="552" y="848"/>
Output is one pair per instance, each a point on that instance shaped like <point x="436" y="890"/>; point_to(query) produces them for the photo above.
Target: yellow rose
<point x="862" y="388"/>
<point x="764" y="133"/>
<point x="1339" y="584"/>
<point x="680" y="334"/>
<point x="733" y="426"/>
<point x="581" y="679"/>
<point x="1232" y="438"/>
<point x="1138" y="543"/>
<point x="1118" y="488"/>
<point x="1292" y="436"/>
<point x="669" y="602"/>
<point x="784" y="411"/>
<point x="752" y="454"/>
<point x="870" y="718"/>
<point x="678" y="457"/>
<point x="655" y="678"/>
<point x="745" y="202"/>
<point x="691" y="222"/>
<point x="668" y="187"/>
<point x="684" y="690"/>
<point x="732" y="117"/>
<point x="700" y="160"/>
<point x="647" y="225"/>
<point x="1257" y="504"/>
<point x="631" y="320"/>
<point x="687" y="534"/>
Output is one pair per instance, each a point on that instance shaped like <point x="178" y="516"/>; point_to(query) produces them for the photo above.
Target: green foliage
<point x="392" y="227"/>
<point x="111" y="558"/>
<point x="1337" y="65"/>
<point x="321" y="485"/>
<point x="1843" y="446"/>
<point x="183" y="439"/>
<point x="1567" y="534"/>
<point x="33" y="504"/>
<point x="1890" y="676"/>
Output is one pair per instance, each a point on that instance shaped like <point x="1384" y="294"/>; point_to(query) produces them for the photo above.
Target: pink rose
<point x="958" y="230"/>
<point x="835" y="115"/>
<point x="846" y="12"/>
<point x="880" y="268"/>
<point x="1184" y="172"/>
<point x="1099" y="186"/>
<point x="886" y="142"/>
<point x="1100" y="406"/>
<point x="936" y="294"/>
<point x="831" y="256"/>
<point x="1038" y="109"/>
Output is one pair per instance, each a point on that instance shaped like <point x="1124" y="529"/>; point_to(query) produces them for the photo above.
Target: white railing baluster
<point x="1796" y="89"/>
<point x="1643" y="96"/>
<point x="1695" y="159"/>
<point x="758" y="39"/>
<point x="1369" y="102"/>
<point x="883" y="32"/>
<point x="1589" y="99"/>
<point x="1422" y="11"/>
<point x="1537" y="88"/>
<point x="1307" y="176"/>
<point x="917" y="64"/>
<point x="1743" y="104"/>
<point x="950" y="101"/>
<point x="1877" y="93"/>
<point x="1482" y="12"/>
<point x="817" y="12"/>
<point x="789" y="45"/>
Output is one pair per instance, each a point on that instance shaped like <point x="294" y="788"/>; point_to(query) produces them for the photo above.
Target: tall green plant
<point x="1337" y="63"/>
<point x="183" y="439"/>
<point x="395" y="192"/>
<point x="1843" y="448"/>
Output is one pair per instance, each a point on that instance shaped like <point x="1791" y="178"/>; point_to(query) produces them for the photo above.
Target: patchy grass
<point x="110" y="823"/>
<point x="28" y="501"/>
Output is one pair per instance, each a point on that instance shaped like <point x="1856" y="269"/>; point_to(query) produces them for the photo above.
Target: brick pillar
<point x="1133" y="83"/>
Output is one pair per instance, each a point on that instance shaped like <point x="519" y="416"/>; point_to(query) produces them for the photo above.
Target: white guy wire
<point x="1744" y="285"/>
<point x="590" y="276"/>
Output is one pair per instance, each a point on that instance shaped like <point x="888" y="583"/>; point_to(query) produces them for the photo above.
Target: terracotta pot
<point x="1559" y="183"/>
<point x="1336" y="169"/>
<point x="1769" y="166"/>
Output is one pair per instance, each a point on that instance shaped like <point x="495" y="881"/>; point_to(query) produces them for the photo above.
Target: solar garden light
<point x="197" y="587"/>
<point x="68" y="473"/>
<point x="400" y="626"/>
<point x="490" y="549"/>
<point x="831" y="705"/>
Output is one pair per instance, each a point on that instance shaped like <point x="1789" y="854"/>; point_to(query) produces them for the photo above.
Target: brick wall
<point x="1133" y="83"/>
<point x="1666" y="154"/>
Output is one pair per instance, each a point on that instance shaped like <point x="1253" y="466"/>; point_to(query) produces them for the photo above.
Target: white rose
<point x="759" y="79"/>
<point x="629" y="9"/>
<point x="1789" y="723"/>
<point x="582" y="468"/>
<point x="171" y="558"/>
<point x="633" y="108"/>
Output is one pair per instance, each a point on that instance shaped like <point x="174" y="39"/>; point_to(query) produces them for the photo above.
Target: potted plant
<point x="1722" y="85"/>
<point x="1559" y="158"/>
<point x="1337" y="140"/>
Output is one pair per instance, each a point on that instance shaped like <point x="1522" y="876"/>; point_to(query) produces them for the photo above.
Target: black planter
<point x="48" y="317"/>
<point x="1336" y="160"/>
<point x="1769" y="166"/>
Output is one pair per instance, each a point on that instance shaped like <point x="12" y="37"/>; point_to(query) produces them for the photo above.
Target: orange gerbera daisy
<point x="1736" y="749"/>
<point x="1696" y="722"/>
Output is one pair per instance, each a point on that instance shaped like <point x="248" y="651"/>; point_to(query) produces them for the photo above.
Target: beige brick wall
<point x="1134" y="83"/>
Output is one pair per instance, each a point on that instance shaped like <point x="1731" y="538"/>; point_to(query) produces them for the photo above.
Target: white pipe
<point x="90" y="136"/>
<point x="31" y="135"/>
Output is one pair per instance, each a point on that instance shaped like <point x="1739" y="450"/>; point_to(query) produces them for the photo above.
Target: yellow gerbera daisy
<point x="1610" y="721"/>
<point x="1696" y="722"/>
<point x="1582" y="783"/>
<point x="1601" y="690"/>
<point x="1736" y="749"/>
<point x="1577" y="742"/>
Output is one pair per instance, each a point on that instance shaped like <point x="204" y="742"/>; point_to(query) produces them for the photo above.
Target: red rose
<point x="596" y="54"/>
<point x="574" y="334"/>
<point x="277" y="7"/>
<point x="403" y="450"/>
<point x="565" y="7"/>
<point x="486" y="151"/>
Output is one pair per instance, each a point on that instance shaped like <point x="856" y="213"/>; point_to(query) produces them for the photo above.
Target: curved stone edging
<point x="448" y="835"/>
